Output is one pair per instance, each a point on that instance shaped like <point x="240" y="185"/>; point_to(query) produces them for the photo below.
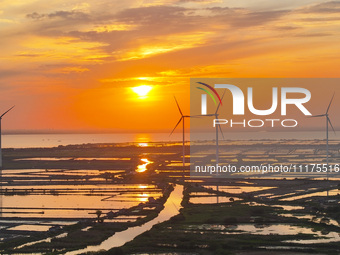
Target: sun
<point x="142" y="90"/>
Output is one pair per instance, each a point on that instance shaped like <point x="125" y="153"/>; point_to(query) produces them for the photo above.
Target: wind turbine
<point x="1" y="157"/>
<point x="217" y="127"/>
<point x="183" y="130"/>
<point x="216" y="131"/>
<point x="0" y="135"/>
<point x="328" y="120"/>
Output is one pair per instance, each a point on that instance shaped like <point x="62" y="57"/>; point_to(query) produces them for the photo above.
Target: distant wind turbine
<point x="217" y="127"/>
<point x="1" y="134"/>
<point x="183" y="130"/>
<point x="328" y="120"/>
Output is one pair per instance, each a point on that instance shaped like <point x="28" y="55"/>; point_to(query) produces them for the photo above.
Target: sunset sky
<point x="70" y="65"/>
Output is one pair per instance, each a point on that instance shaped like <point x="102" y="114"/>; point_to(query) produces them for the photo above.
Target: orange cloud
<point x="82" y="58"/>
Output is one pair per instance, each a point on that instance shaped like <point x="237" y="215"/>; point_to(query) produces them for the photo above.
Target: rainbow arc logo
<point x="204" y="96"/>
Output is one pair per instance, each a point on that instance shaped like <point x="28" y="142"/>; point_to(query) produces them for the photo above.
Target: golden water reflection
<point x="143" y="197"/>
<point x="142" y="168"/>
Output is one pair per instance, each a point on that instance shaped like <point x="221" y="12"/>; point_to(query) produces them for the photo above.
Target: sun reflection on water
<point x="142" y="168"/>
<point x="143" y="144"/>
<point x="143" y="197"/>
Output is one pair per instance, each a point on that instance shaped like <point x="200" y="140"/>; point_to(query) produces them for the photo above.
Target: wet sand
<point x="52" y="186"/>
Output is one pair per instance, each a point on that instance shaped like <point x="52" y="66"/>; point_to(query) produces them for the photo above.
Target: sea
<point x="53" y="140"/>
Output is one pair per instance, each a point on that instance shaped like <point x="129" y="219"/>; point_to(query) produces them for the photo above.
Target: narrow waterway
<point x="171" y="207"/>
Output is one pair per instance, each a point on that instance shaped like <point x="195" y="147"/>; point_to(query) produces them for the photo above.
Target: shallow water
<point x="48" y="240"/>
<point x="143" y="167"/>
<point x="238" y="189"/>
<point x="70" y="158"/>
<point x="53" y="140"/>
<point x="73" y="201"/>
<point x="64" y="206"/>
<point x="310" y="217"/>
<point x="86" y="186"/>
<point x="171" y="207"/>
<point x="273" y="229"/>
<point x="39" y="228"/>
<point x="289" y="207"/>
<point x="322" y="193"/>
<point x="211" y="200"/>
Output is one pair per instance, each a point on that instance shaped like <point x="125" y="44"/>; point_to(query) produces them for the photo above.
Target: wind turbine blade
<point x="219" y="126"/>
<point x="220" y="102"/>
<point x="206" y="115"/>
<point x="7" y="111"/>
<point x="329" y="120"/>
<point x="176" y="125"/>
<point x="196" y="116"/>
<point x="330" y="103"/>
<point x="321" y="115"/>
<point x="179" y="108"/>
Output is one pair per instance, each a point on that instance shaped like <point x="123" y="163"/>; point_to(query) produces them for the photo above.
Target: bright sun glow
<point x="142" y="91"/>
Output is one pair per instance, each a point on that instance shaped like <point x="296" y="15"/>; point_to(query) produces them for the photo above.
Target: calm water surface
<point x="171" y="207"/>
<point x="52" y="140"/>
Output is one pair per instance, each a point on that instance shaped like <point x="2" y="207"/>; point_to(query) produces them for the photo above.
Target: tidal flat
<point x="66" y="199"/>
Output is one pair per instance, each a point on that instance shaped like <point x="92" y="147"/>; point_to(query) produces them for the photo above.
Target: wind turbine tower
<point x="1" y="134"/>
<point x="328" y="121"/>
<point x="182" y="119"/>
<point x="1" y="158"/>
